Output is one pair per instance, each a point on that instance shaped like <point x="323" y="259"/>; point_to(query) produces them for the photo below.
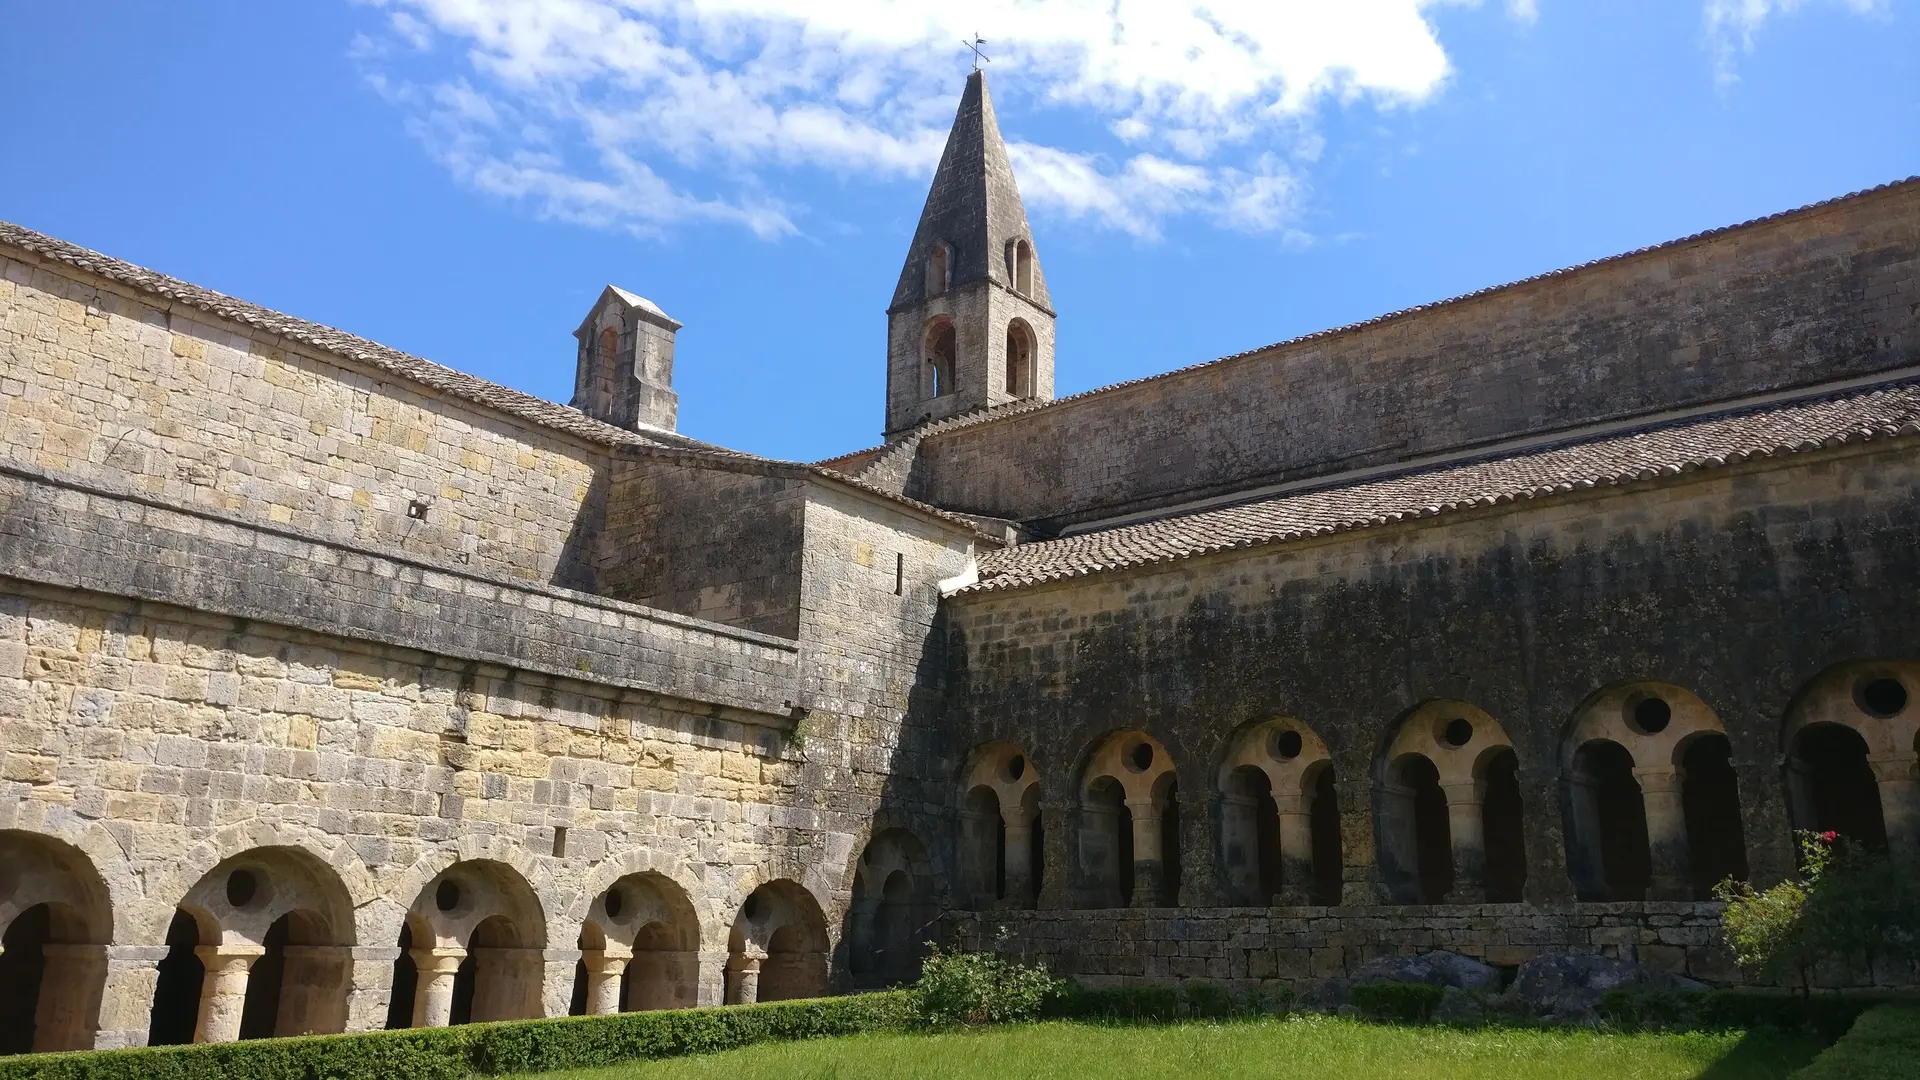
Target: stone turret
<point x="970" y="325"/>
<point x="625" y="372"/>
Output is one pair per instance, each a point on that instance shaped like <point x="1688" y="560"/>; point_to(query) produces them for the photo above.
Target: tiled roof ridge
<point x="984" y="416"/>
<point x="492" y="395"/>
<point x="1716" y="442"/>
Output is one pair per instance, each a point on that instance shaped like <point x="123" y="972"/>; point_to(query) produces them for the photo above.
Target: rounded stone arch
<point x="894" y="901"/>
<point x="383" y="922"/>
<point x="56" y="921"/>
<point x="126" y="893"/>
<point x="939" y="346"/>
<point x="1021" y="358"/>
<point x="316" y="848"/>
<point x="778" y="946"/>
<point x="1445" y="763"/>
<point x="1851" y="737"/>
<point x="640" y="942"/>
<point x="1127" y="828"/>
<point x="1279" y="828"/>
<point x="474" y="940"/>
<point x="261" y="945"/>
<point x="1001" y="840"/>
<point x="1648" y="795"/>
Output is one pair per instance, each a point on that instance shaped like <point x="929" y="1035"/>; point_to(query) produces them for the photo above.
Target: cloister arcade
<point x="277" y="939"/>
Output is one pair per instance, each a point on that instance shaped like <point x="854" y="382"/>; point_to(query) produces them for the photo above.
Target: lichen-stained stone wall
<point x="1275" y="948"/>
<point x="98" y="381"/>
<point x="1740" y="586"/>
<point x="1808" y="296"/>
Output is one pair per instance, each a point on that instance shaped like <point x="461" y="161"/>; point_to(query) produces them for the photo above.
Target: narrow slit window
<point x="559" y="841"/>
<point x="900" y="574"/>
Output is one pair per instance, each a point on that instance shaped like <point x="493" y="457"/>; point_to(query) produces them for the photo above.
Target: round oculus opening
<point x="616" y="903"/>
<point x="447" y="896"/>
<point x="1883" y="697"/>
<point x="1016" y="768"/>
<point x="1652" y="714"/>
<point x="1140" y="757"/>
<point x="1458" y="732"/>
<point x="242" y="887"/>
<point x="1287" y="745"/>
<point x="752" y="907"/>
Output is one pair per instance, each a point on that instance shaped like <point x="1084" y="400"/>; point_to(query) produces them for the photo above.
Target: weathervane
<point x="977" y="54"/>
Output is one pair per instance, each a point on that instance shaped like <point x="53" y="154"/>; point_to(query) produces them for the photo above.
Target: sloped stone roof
<point x="426" y="373"/>
<point x="1887" y="411"/>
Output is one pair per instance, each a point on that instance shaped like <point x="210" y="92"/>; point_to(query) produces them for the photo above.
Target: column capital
<point x="1464" y="792"/>
<point x="604" y="963"/>
<point x="1892" y="768"/>
<point x="1148" y="804"/>
<point x="438" y="961"/>
<point x="227" y="957"/>
<point x="1661" y="779"/>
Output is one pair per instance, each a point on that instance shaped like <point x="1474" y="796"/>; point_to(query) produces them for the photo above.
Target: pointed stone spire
<point x="974" y="206"/>
<point x="971" y="324"/>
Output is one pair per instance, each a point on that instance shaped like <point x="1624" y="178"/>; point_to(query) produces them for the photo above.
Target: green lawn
<point x="1302" y="1047"/>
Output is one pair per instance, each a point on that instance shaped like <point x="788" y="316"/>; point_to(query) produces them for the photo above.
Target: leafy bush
<point x="1848" y="903"/>
<point x="1409" y="1003"/>
<point x="1884" y="1044"/>
<point x="455" y="1053"/>
<point x="961" y="987"/>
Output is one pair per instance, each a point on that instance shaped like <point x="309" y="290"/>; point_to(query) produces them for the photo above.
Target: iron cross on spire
<point x="977" y="54"/>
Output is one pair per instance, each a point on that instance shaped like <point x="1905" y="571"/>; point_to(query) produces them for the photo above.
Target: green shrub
<point x="1884" y="1044"/>
<point x="1848" y="903"/>
<point x="455" y="1053"/>
<point x="961" y="987"/>
<point x="1409" y="1003"/>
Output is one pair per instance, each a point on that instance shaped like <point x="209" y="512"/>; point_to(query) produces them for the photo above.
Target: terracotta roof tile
<point x="1891" y="410"/>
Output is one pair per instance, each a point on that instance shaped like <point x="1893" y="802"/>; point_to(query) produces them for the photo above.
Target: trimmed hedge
<point x="454" y="1053"/>
<point x="1884" y="1044"/>
<point x="1826" y="1016"/>
<point x="1399" y="1002"/>
<point x="1157" y="1003"/>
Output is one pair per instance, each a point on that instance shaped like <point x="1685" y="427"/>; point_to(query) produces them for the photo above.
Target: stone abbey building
<point x="340" y="690"/>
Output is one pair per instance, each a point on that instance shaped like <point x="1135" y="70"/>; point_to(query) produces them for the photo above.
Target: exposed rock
<point x="1438" y="968"/>
<point x="1459" y="1006"/>
<point x="1567" y="986"/>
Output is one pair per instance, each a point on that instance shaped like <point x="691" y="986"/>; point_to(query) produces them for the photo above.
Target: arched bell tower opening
<point x="971" y="324"/>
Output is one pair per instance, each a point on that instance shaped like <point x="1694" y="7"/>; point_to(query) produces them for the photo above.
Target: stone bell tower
<point x="625" y="372"/>
<point x="970" y="325"/>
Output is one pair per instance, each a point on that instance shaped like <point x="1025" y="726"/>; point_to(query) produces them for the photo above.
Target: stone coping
<point x="57" y="531"/>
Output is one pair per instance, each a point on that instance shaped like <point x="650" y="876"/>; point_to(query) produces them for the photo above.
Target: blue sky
<point x="459" y="178"/>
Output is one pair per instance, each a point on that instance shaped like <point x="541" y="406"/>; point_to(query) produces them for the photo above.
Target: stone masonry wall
<point x="1811" y="296"/>
<point x="98" y="382"/>
<point x="1739" y="585"/>
<point x="160" y="741"/>
<point x="1289" y="947"/>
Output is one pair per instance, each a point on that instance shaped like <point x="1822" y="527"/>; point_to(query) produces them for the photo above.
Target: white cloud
<point x="1733" y="25"/>
<point x="636" y="114"/>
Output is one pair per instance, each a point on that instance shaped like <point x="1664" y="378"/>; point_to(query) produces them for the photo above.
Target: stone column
<point x="1019" y="859"/>
<point x="1467" y="832"/>
<point x="1899" y="804"/>
<point x="1240" y="861"/>
<point x="1296" y="849"/>
<point x="743" y="980"/>
<point x="1359" y="869"/>
<point x="433" y="993"/>
<point x="712" y="979"/>
<point x="126" y="1003"/>
<point x="223" y="995"/>
<point x="1666" y="832"/>
<point x="604" y="968"/>
<point x="1147" y="868"/>
<point x="70" y="990"/>
<point x="372" y="986"/>
<point x="977" y="844"/>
